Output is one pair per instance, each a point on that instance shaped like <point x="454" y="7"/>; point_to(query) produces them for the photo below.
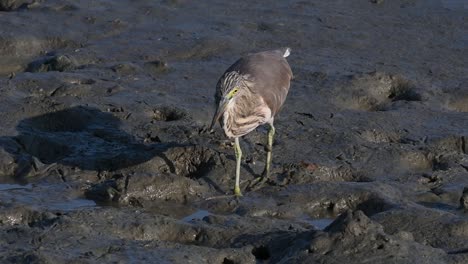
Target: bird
<point x="249" y="94"/>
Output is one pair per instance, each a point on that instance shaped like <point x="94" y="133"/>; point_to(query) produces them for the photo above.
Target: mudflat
<point x="106" y="157"/>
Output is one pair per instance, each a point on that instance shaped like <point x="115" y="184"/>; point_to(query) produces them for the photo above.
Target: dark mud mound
<point x="369" y="242"/>
<point x="180" y="173"/>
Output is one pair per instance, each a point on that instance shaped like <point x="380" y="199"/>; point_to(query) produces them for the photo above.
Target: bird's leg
<point x="269" y="149"/>
<point x="258" y="182"/>
<point x="238" y="151"/>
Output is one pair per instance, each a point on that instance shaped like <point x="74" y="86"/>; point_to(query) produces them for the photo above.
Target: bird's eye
<point x="232" y="92"/>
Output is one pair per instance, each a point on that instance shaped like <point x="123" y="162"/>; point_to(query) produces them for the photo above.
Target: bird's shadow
<point x="81" y="137"/>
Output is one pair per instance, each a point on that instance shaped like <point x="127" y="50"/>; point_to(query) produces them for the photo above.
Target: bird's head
<point x="228" y="88"/>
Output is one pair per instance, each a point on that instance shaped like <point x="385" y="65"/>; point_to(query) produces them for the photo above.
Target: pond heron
<point x="249" y="94"/>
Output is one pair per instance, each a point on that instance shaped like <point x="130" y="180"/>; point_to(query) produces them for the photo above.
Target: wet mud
<point x="106" y="157"/>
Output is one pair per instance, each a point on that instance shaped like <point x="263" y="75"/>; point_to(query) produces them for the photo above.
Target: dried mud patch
<point x="375" y="91"/>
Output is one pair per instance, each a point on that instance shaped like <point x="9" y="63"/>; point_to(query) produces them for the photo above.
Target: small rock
<point x="464" y="199"/>
<point x="310" y="167"/>
<point x="55" y="63"/>
<point x="403" y="235"/>
<point x="156" y="66"/>
<point x="9" y="150"/>
<point x="106" y="191"/>
<point x="125" y="68"/>
<point x="321" y="244"/>
<point x="7" y="163"/>
<point x="354" y="223"/>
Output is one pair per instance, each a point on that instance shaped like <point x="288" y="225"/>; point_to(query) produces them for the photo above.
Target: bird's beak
<point x="221" y="107"/>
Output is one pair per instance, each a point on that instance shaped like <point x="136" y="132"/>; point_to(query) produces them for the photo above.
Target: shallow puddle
<point x="9" y="186"/>
<point x="319" y="223"/>
<point x="50" y="197"/>
<point x="72" y="205"/>
<point x="198" y="215"/>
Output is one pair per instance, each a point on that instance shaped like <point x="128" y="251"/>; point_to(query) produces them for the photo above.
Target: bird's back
<point x="268" y="74"/>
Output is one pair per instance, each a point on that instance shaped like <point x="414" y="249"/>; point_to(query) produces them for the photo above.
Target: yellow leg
<point x="260" y="181"/>
<point x="269" y="149"/>
<point x="238" y="151"/>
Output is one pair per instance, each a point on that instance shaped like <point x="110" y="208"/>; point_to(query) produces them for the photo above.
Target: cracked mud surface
<point x="106" y="157"/>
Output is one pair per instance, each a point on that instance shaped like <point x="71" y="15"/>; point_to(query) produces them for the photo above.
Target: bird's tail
<point x="287" y="51"/>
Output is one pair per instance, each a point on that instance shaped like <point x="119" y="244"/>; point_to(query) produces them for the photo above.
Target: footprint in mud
<point x="168" y="114"/>
<point x="375" y="91"/>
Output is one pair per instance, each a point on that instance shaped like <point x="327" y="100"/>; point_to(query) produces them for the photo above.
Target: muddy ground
<point x="105" y="155"/>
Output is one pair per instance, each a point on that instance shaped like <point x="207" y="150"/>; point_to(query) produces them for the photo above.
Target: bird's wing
<point x="268" y="74"/>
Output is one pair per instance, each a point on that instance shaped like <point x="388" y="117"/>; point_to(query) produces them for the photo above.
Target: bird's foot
<point x="257" y="183"/>
<point x="237" y="191"/>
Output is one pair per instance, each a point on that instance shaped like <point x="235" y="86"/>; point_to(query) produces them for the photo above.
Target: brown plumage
<point x="250" y="93"/>
<point x="263" y="79"/>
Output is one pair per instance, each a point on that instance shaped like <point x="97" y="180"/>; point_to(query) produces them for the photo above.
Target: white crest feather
<point x="287" y="52"/>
